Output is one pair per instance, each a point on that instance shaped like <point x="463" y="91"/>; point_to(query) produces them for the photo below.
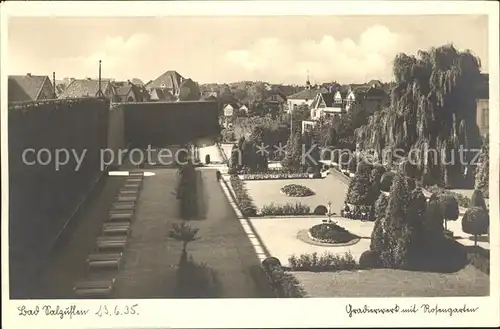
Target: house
<point x="229" y="112"/>
<point x="169" y="81"/>
<point x="370" y="97"/>
<point x="160" y="95"/>
<point x="79" y="88"/>
<point x="275" y="102"/>
<point x="244" y="108"/>
<point x="482" y="104"/>
<point x="128" y="92"/>
<point x="324" y="106"/>
<point x="23" y="88"/>
<point x="209" y="95"/>
<point x="137" y="82"/>
<point x="304" y="97"/>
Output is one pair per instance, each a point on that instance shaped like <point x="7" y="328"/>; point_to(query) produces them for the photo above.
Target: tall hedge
<point x="482" y="172"/>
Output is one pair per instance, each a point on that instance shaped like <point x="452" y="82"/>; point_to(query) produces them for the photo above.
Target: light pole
<point x="329" y="212"/>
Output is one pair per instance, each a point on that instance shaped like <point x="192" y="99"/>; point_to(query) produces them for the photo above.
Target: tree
<point x="395" y="254"/>
<point x="386" y="181"/>
<point x="483" y="170"/>
<point x="476" y="221"/>
<point x="375" y="177"/>
<point x="477" y="200"/>
<point x="449" y="208"/>
<point x="359" y="192"/>
<point x="189" y="91"/>
<point x="434" y="219"/>
<point x="185" y="233"/>
<point x="235" y="162"/>
<point x="432" y="107"/>
<point x="293" y="157"/>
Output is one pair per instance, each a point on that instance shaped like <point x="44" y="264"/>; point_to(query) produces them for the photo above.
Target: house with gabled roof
<point x="23" y="88"/>
<point x="161" y="95"/>
<point x="128" y="92"/>
<point x="79" y="88"/>
<point x="169" y="81"/>
<point x="304" y="97"/>
<point x="324" y="106"/>
<point x="371" y="98"/>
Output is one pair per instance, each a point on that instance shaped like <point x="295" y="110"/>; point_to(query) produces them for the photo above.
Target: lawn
<point x="263" y="192"/>
<point x="394" y="283"/>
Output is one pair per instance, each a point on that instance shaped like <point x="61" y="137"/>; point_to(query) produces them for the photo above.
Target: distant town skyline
<point x="275" y="49"/>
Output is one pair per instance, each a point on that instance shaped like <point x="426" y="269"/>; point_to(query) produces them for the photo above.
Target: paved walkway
<point x="149" y="269"/>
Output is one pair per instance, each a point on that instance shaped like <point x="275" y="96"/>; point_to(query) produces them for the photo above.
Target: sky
<point x="275" y="49"/>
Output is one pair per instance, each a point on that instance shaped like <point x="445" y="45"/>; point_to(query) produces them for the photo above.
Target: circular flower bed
<point x="296" y="190"/>
<point x="331" y="233"/>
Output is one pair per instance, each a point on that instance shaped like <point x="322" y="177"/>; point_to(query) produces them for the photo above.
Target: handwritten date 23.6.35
<point x="107" y="310"/>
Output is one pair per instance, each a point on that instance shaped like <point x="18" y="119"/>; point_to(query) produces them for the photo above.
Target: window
<point x="162" y="85"/>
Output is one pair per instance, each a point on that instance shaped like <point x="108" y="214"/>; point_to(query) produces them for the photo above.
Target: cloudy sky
<point x="279" y="49"/>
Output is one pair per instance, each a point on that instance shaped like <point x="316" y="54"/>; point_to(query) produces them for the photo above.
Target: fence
<point x="42" y="198"/>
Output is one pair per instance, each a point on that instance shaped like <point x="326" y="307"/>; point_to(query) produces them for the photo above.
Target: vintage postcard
<point x="258" y="164"/>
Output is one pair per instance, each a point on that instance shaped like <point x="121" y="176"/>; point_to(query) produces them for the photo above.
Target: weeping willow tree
<point x="432" y="113"/>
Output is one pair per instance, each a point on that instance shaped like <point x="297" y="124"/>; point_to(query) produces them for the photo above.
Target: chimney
<point x="28" y="74"/>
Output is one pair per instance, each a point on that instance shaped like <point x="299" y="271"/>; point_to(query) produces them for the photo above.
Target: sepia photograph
<point x="248" y="157"/>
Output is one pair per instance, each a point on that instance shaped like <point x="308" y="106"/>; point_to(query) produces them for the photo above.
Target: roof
<point x="170" y="80"/>
<point x="137" y="82"/>
<point x="307" y="93"/>
<point x="327" y="98"/>
<point x="25" y="87"/>
<point x="84" y="88"/>
<point x="162" y="94"/>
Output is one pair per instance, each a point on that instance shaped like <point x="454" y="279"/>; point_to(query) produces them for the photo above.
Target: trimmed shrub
<point x="283" y="284"/>
<point x="476" y="222"/>
<point x="353" y="164"/>
<point x="331" y="233"/>
<point x="375" y="177"/>
<point x="449" y="208"/>
<point x="323" y="263"/>
<point x="381" y="206"/>
<point x="394" y="254"/>
<point x="295" y="190"/>
<point x="386" y="181"/>
<point x="270" y="263"/>
<point x="369" y="259"/>
<point x="364" y="166"/>
<point x="434" y="220"/>
<point x="462" y="200"/>
<point x="320" y="210"/>
<point x="410" y="183"/>
<point x="477" y="200"/>
<point x="244" y="201"/>
<point x="197" y="280"/>
<point x="288" y="209"/>
<point x="359" y="192"/>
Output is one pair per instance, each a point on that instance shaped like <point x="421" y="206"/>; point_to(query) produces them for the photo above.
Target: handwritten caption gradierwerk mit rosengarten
<point x="412" y="309"/>
<point x="73" y="311"/>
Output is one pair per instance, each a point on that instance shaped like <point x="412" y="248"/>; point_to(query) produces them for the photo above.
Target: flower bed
<point x="276" y="175"/>
<point x="331" y="233"/>
<point x="244" y="201"/>
<point x="323" y="263"/>
<point x="285" y="210"/>
<point x="295" y="190"/>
